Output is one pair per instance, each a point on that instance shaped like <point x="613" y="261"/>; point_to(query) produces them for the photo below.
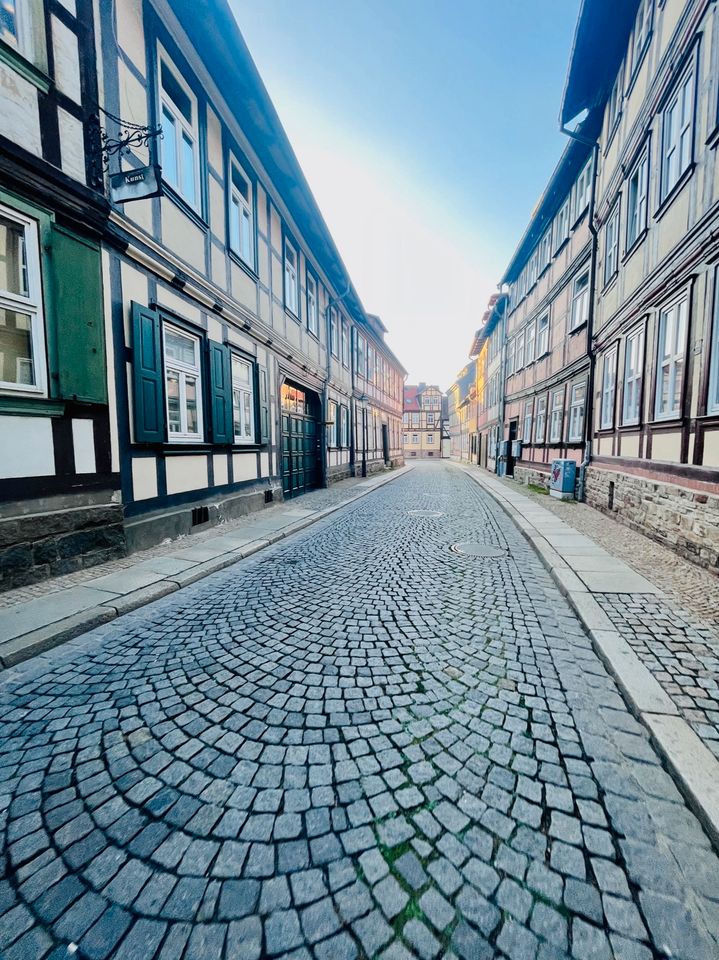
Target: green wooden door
<point x="300" y="468"/>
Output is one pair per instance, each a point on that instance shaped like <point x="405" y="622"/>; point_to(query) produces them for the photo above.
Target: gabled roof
<point x="411" y="397"/>
<point x="490" y="319"/>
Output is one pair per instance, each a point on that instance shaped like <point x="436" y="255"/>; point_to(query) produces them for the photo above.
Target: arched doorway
<point x="300" y="410"/>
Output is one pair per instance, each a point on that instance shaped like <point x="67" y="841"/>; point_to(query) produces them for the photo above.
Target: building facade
<point x="655" y="424"/>
<point x="422" y="421"/>
<point x="463" y="421"/>
<point x="549" y="285"/>
<point x="59" y="487"/>
<point x="488" y="349"/>
<point x="243" y="367"/>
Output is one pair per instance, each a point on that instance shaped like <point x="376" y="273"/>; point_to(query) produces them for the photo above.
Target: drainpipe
<point x="502" y="382"/>
<point x="589" y="412"/>
<point x="325" y="390"/>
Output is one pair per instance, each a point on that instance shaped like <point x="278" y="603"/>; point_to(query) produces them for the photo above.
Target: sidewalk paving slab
<point x="693" y="766"/>
<point x="32" y="626"/>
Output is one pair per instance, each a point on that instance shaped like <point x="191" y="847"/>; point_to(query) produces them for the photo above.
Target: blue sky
<point x="427" y="130"/>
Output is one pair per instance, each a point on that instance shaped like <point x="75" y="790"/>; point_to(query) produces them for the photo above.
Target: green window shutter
<point x="264" y="405"/>
<point x="147" y="376"/>
<point x="77" y="318"/>
<point x="221" y="425"/>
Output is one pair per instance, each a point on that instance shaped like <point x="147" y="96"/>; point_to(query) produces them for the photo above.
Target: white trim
<point x="577" y="411"/>
<point x="178" y="130"/>
<point x="183" y="371"/>
<point x="242" y="389"/>
<point x="312" y="315"/>
<point x="580" y="315"/>
<point x="677" y="145"/>
<point x="291" y="280"/>
<point x="556" y="416"/>
<point x="609" y="389"/>
<point x="611" y="244"/>
<point x="241" y="212"/>
<point x="671" y="347"/>
<point x="637" y="199"/>
<point x="633" y="377"/>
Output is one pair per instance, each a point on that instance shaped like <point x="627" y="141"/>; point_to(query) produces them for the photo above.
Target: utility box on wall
<point x="562" y="479"/>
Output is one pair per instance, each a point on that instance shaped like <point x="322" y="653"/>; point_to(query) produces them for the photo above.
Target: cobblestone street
<point x="355" y="743"/>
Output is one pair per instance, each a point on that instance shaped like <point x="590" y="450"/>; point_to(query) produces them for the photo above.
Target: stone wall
<point x="527" y="475"/>
<point x="682" y="519"/>
<point x="47" y="544"/>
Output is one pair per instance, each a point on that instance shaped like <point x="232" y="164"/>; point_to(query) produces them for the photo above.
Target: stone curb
<point x="39" y="641"/>
<point x="693" y="767"/>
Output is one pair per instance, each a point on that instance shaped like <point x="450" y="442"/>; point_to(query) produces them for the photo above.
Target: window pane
<point x="248" y="414"/>
<point x="172" y="382"/>
<point x="246" y="236"/>
<point x="235" y="224"/>
<point x="236" y="422"/>
<point x="174" y="91"/>
<point x="8" y="21"/>
<point x="191" y="404"/>
<point x="240" y="184"/>
<point x="13" y="264"/>
<point x="16" y="363"/>
<point x="179" y="348"/>
<point x="169" y="148"/>
<point x="188" y="168"/>
<point x="240" y="371"/>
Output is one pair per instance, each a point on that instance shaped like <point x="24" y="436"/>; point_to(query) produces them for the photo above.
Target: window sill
<point x="579" y="327"/>
<point x="236" y="258"/>
<point x="673" y="421"/>
<point x="315" y="336"/>
<point x="579" y="219"/>
<point x="637" y="243"/>
<point x="14" y="59"/>
<point x="629" y="427"/>
<point x="612" y="133"/>
<point x="25" y="406"/>
<point x="674" y="192"/>
<point x="561" y="246"/>
<point x="169" y="191"/>
<point x="291" y="314"/>
<point x="636" y="67"/>
<point x="608" y="284"/>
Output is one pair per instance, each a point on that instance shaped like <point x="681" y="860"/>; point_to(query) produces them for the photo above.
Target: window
<point x="291" y="297"/>
<point x="543" y="335"/>
<point x="183" y="384"/>
<point x="180" y="154"/>
<point x="540" y="420"/>
<point x="614" y="103"/>
<point x="713" y="398"/>
<point x="642" y="26"/>
<point x="677" y="134"/>
<point x="415" y="419"/>
<point x="344" y="427"/>
<point x="243" y="408"/>
<point x="370" y="363"/>
<point x="529" y="342"/>
<point x="580" y="302"/>
<point x="561" y="225"/>
<point x="361" y="356"/>
<point x="576" y="411"/>
<point x="415" y="438"/>
<point x="611" y="244"/>
<point x="637" y="188"/>
<point x="510" y="358"/>
<point x="430" y="438"/>
<point x="557" y="415"/>
<point x="633" y="373"/>
<point x="312" y="319"/>
<point x="519" y="352"/>
<point x="609" y="379"/>
<point x="334" y="341"/>
<point x="242" y="239"/>
<point x="22" y="330"/>
<point x="545" y="250"/>
<point x="345" y="345"/>
<point x="15" y="26"/>
<point x="333" y="426"/>
<point x="582" y="191"/>
<point x="670" y="360"/>
<point x="527" y="421"/>
<point x="430" y="418"/>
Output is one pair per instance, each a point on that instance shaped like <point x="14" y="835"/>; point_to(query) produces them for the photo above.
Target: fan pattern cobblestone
<point x="354" y="744"/>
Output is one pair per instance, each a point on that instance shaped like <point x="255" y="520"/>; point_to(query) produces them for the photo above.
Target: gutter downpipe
<point x="589" y="416"/>
<point x="325" y="390"/>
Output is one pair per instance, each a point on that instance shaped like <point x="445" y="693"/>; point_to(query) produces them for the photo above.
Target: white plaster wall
<point x="19" y="110"/>
<point x="67" y="60"/>
<point x="144" y="478"/>
<point x="30" y="440"/>
<point x="72" y="145"/>
<point x="186" y="473"/>
<point x="83" y="441"/>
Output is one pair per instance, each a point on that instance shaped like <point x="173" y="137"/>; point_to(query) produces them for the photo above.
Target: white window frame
<point x="183" y="370"/>
<point x="545" y="250"/>
<point x="677" y="151"/>
<point x="510" y="357"/>
<point x="713" y="395"/>
<point x="31" y="304"/>
<point x="344" y="344"/>
<point x="540" y="419"/>
<point x="344" y="427"/>
<point x="22" y="40"/>
<point x="415" y="438"/>
<point x="334" y="334"/>
<point x="637" y="199"/>
<point x="182" y="127"/>
<point x="579" y="315"/>
<point x="333" y="426"/>
<point x="241" y="209"/>
<point x="556" y="416"/>
<point x="642" y="30"/>
<point x="582" y="190"/>
<point x="527" y="420"/>
<point x="430" y="438"/>
<point x="240" y="388"/>
<point x="611" y="244"/>
<point x="292" y="274"/>
<point x="312" y="306"/>
<point x="529" y="343"/>
<point x="609" y="389"/>
<point x="519" y="351"/>
<point x="542" y="342"/>
<point x="671" y="338"/>
<point x="577" y="412"/>
<point x="561" y="225"/>
<point x="614" y="104"/>
<point x="633" y="377"/>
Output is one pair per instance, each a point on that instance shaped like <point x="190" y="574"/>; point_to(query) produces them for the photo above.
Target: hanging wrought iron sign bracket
<point x="134" y="184"/>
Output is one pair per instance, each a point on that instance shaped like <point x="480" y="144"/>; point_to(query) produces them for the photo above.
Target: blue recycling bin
<point x="562" y="479"/>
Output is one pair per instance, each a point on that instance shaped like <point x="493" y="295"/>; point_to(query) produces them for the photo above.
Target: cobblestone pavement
<point x="315" y="500"/>
<point x="356" y="743"/>
<point x="676" y="637"/>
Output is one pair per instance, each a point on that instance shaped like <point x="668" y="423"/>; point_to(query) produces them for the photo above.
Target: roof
<point x="490" y="319"/>
<point x="600" y="42"/>
<point x="413" y="394"/>
<point x="464" y="387"/>
<point x="214" y="32"/>
<point x="565" y="173"/>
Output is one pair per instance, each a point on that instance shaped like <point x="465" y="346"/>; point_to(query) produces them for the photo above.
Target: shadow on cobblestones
<point x="354" y="744"/>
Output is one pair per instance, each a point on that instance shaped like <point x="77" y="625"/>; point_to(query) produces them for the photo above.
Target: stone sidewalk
<point x="36" y="618"/>
<point x="618" y="607"/>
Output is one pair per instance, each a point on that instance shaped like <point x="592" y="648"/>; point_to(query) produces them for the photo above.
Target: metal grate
<point x="470" y="548"/>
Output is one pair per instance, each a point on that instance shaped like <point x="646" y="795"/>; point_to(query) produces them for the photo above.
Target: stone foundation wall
<point x="685" y="520"/>
<point x="527" y="475"/>
<point x="47" y="544"/>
